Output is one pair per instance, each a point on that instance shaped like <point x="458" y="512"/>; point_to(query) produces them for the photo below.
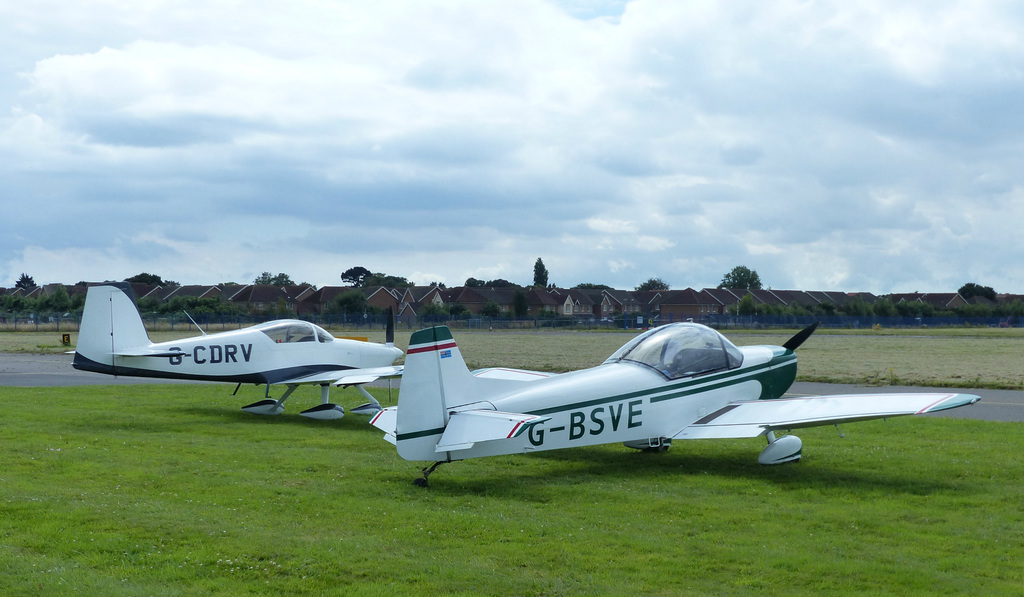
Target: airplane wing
<point x="465" y="428"/>
<point x="346" y="377"/>
<point x="468" y="427"/>
<point x="758" y="417"/>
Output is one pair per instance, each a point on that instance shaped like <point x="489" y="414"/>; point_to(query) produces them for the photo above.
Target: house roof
<point x="795" y="297"/>
<point x="623" y="297"/>
<point x="501" y="296"/>
<point x="723" y="295"/>
<point x="687" y="296"/>
<point x="259" y="293"/>
<point x="192" y="290"/>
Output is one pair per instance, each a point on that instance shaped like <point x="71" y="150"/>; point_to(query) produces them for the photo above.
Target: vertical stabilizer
<point x="435" y="377"/>
<point x="110" y="323"/>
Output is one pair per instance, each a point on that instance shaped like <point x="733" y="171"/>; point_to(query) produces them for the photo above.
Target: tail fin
<point x="435" y="377"/>
<point x="111" y="323"/>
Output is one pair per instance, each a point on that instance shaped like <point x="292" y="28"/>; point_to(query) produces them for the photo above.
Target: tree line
<point x="355" y="301"/>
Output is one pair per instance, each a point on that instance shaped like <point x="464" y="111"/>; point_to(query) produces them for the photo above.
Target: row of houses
<point x="592" y="304"/>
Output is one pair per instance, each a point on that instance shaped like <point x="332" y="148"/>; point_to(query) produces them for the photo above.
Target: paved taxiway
<point x="34" y="370"/>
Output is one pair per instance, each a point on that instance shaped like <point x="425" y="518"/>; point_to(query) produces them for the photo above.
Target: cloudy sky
<point x="858" y="146"/>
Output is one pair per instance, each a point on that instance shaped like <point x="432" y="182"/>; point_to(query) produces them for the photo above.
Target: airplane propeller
<point x="389" y="333"/>
<point x="800" y="337"/>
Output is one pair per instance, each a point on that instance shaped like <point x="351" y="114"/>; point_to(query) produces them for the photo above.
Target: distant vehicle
<point x="290" y="352"/>
<point x="674" y="382"/>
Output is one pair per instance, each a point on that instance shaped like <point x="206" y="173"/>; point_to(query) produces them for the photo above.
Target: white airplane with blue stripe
<point x="674" y="382"/>
<point x="113" y="340"/>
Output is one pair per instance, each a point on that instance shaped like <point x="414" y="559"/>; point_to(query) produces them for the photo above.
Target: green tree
<point x="520" y="303"/>
<point x="432" y="309"/>
<point x="540" y="274"/>
<point x="196" y="306"/>
<point x="58" y="300"/>
<point x="500" y="283"/>
<point x="490" y="309"/>
<point x="474" y="283"/>
<point x="352" y="301"/>
<point x="589" y="286"/>
<point x="355" y="275"/>
<point x="379" y="279"/>
<point x="884" y="308"/>
<point x="653" y="284"/>
<point x="153" y="279"/>
<point x="747" y="305"/>
<point x="741" y="276"/>
<point x="25" y="282"/>
<point x="857" y="307"/>
<point x="278" y="280"/>
<point x="971" y="289"/>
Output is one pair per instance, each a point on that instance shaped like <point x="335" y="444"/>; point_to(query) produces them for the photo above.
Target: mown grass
<point x="171" y="490"/>
<point x="947" y="357"/>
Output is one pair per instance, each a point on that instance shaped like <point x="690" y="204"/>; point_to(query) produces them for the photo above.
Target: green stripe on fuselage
<point x="435" y="334"/>
<point x="761" y="373"/>
<point x="775" y="377"/>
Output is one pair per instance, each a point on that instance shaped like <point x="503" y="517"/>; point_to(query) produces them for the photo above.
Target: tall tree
<point x="971" y="289"/>
<point x="25" y="282"/>
<point x="352" y="301"/>
<point x="520" y="303"/>
<point x="355" y="275"/>
<point x="379" y="279"/>
<point x="474" y="283"/>
<point x="540" y="274"/>
<point x="153" y="279"/>
<point x="747" y="306"/>
<point x="58" y="300"/>
<point x="500" y="283"/>
<point x="652" y="284"/>
<point x="741" y="276"/>
<point x="281" y="279"/>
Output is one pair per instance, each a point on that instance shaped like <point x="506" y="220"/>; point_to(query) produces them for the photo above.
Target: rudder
<point x="433" y="379"/>
<point x="111" y="322"/>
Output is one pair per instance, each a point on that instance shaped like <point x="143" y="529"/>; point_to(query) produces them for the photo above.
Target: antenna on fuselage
<point x="193" y="322"/>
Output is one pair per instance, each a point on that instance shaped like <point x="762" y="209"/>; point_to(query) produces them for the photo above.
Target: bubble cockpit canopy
<point x="681" y="350"/>
<point x="288" y="331"/>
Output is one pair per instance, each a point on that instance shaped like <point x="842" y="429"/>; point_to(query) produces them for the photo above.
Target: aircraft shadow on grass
<point x="592" y="465"/>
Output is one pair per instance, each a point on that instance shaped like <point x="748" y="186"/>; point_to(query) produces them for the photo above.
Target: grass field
<point x="948" y="357"/>
<point x="172" y="490"/>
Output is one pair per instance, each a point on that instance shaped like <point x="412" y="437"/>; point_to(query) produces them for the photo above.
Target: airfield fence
<point x="57" y="322"/>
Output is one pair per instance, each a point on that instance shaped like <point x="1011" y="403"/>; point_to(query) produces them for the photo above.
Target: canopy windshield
<point x="681" y="350"/>
<point x="295" y="331"/>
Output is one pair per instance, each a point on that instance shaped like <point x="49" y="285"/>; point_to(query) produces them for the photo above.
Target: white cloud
<point x="867" y="144"/>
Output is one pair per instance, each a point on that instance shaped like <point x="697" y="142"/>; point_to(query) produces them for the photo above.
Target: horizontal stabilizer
<point x="387" y="421"/>
<point x="757" y="417"/>
<point x="513" y="374"/>
<point x="469" y="427"/>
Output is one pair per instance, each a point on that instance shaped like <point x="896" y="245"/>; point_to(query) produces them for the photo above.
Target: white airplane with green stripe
<point x="674" y="382"/>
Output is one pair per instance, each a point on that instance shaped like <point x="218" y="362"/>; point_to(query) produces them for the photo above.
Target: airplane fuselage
<point x="248" y="355"/>
<point x="625" y="402"/>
